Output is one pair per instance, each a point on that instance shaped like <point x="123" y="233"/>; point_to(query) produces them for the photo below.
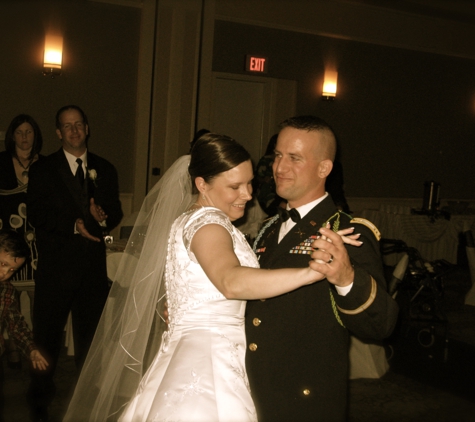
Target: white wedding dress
<point x="199" y="372"/>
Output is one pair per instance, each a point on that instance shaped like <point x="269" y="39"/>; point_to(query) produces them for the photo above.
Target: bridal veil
<point x="130" y="330"/>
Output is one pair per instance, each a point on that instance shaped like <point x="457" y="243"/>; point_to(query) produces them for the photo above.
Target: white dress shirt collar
<point x="72" y="161"/>
<point x="303" y="211"/>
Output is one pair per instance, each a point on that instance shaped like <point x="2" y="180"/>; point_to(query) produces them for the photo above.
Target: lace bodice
<point x="188" y="287"/>
<point x="199" y="374"/>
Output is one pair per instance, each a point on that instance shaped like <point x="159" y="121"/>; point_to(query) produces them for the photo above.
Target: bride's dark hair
<point x="213" y="154"/>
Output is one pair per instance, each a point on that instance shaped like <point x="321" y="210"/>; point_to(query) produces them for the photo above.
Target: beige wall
<point x="405" y="107"/>
<point x="99" y="72"/>
<point x="141" y="69"/>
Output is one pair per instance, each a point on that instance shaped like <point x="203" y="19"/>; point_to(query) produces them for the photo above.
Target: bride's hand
<point x="350" y="239"/>
<point x="346" y="236"/>
<point x="313" y="275"/>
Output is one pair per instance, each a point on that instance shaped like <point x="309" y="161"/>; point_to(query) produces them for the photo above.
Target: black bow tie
<point x="286" y="214"/>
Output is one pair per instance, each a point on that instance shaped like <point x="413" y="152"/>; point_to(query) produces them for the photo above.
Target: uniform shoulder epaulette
<point x="368" y="224"/>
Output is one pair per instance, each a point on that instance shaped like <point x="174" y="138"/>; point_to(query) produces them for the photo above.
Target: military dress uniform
<point x="297" y="357"/>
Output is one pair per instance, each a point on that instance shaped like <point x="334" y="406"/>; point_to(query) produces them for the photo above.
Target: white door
<point x="250" y="108"/>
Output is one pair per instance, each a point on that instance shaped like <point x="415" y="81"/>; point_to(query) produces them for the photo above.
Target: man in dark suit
<point x="73" y="198"/>
<point x="297" y="358"/>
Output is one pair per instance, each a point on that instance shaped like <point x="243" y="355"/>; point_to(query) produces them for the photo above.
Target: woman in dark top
<point x="23" y="142"/>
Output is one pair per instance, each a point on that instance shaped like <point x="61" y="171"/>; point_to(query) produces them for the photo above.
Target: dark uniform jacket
<point x="297" y="357"/>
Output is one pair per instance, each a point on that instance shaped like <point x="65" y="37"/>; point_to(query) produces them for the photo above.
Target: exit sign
<point x="256" y="64"/>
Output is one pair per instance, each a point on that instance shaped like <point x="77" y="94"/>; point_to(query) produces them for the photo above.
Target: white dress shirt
<point x="303" y="211"/>
<point x="73" y="164"/>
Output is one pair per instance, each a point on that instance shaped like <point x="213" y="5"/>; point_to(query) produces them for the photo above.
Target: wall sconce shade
<point x="329" y="85"/>
<point x="53" y="57"/>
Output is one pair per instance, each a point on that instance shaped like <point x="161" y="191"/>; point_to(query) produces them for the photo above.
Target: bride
<point x="192" y="368"/>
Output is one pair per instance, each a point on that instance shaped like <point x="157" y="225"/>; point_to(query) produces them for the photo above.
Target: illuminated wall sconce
<point x="53" y="58"/>
<point x="329" y="85"/>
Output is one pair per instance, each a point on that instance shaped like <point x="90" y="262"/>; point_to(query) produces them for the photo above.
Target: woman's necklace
<point x="25" y="169"/>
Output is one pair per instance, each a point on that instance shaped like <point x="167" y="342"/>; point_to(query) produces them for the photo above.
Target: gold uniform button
<point x="306" y="392"/>
<point x="256" y="322"/>
<point x="263" y="300"/>
<point x="253" y="347"/>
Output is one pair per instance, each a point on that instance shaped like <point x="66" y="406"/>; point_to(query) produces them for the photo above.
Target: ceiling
<point x="462" y="11"/>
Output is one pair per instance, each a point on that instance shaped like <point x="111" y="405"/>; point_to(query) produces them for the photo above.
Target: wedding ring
<point x="330" y="260"/>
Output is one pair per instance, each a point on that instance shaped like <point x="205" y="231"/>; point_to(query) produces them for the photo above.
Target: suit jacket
<point x="299" y="367"/>
<point x="55" y="201"/>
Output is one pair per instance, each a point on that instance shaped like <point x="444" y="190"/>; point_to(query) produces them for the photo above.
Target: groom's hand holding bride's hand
<point x="331" y="258"/>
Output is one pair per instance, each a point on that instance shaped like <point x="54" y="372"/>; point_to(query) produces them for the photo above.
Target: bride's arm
<point x="213" y="248"/>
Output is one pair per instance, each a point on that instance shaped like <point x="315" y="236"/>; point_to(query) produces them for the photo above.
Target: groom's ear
<point x="325" y="168"/>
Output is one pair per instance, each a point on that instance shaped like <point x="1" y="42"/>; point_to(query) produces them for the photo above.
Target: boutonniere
<point x="92" y="174"/>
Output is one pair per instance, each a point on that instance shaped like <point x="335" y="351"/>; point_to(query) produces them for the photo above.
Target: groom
<point x="297" y="357"/>
<point x="73" y="198"/>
